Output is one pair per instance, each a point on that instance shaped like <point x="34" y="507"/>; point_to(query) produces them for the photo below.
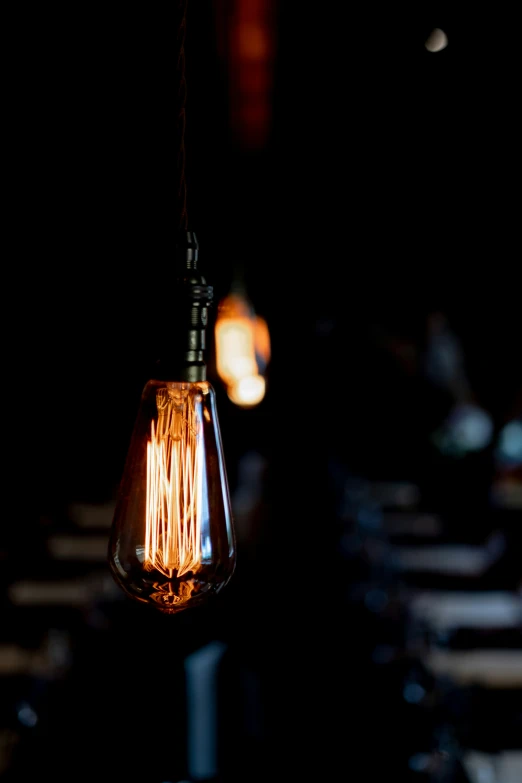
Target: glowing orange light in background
<point x="248" y="391"/>
<point x="246" y="32"/>
<point x="242" y="350"/>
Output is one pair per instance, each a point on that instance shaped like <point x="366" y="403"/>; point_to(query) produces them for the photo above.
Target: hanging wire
<point x="181" y="118"/>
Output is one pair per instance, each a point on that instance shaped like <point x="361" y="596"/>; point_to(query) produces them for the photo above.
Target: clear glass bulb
<point x="172" y="541"/>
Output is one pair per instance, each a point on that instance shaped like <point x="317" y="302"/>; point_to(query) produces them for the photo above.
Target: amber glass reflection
<point x="172" y="540"/>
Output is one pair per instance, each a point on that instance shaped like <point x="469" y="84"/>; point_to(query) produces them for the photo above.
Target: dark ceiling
<point x="385" y="190"/>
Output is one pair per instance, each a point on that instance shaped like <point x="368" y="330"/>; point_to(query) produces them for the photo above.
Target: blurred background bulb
<point x="242" y="343"/>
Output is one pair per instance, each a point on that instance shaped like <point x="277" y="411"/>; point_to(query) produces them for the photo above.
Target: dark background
<point x="384" y="193"/>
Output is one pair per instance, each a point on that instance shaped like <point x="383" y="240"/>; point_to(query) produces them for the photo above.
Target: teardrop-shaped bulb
<point x="172" y="541"/>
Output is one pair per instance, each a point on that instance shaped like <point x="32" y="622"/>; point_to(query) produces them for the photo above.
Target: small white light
<point x="436" y="41"/>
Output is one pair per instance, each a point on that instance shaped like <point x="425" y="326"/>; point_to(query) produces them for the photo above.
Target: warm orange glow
<point x="247" y="39"/>
<point x="262" y="339"/>
<point x="235" y="349"/>
<point x="242" y="350"/>
<point x="172" y="540"/>
<point x="248" y="391"/>
<point x="174" y="485"/>
<point x="235" y="305"/>
<point x="253" y="42"/>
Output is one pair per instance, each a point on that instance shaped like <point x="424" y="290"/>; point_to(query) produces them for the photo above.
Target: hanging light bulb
<point x="242" y="349"/>
<point x="172" y="541"/>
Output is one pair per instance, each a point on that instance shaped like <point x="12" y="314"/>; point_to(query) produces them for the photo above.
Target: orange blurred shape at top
<point x="248" y="44"/>
<point x="252" y="41"/>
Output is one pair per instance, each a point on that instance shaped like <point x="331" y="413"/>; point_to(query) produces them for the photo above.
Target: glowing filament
<point x="174" y="486"/>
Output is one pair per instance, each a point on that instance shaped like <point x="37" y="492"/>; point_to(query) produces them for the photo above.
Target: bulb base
<point x="188" y="317"/>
